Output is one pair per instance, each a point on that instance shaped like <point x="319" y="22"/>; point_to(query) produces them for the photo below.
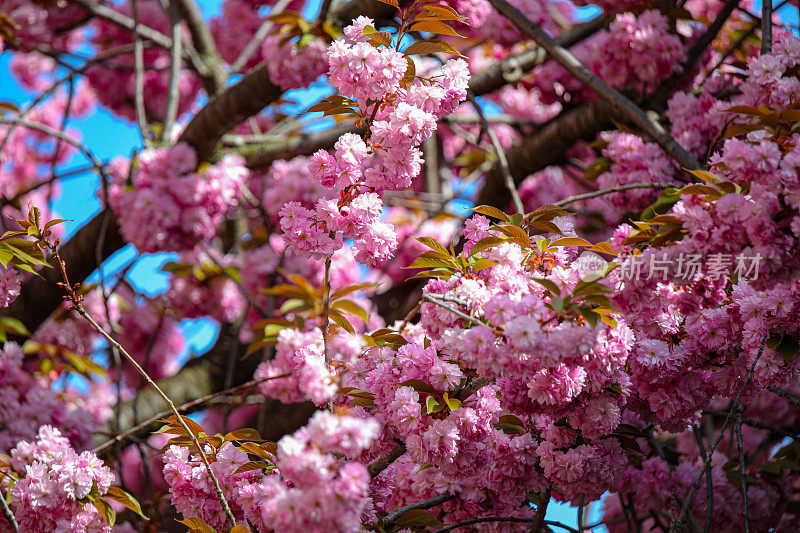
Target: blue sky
<point x="109" y="137"/>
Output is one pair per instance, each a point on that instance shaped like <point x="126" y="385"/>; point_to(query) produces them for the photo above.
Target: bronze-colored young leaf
<point x="572" y="241"/>
<point x="490" y="211"/>
<point x="196" y="524"/>
<point x="126" y="500"/>
<point x="437" y="27"/>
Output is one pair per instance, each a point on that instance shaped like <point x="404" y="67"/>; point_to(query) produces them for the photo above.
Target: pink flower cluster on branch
<point x="358" y="170"/>
<point x="55" y="485"/>
<point x="183" y="205"/>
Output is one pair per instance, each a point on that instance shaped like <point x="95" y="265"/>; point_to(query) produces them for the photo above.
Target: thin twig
<point x="115" y="17"/>
<point x="571" y="64"/>
<point x="173" y="93"/>
<point x="59" y="135"/>
<point x="617" y="188"/>
<point x="77" y="306"/>
<point x="677" y="526"/>
<point x="709" y="481"/>
<point x="138" y="61"/>
<point x="203" y="40"/>
<point x="695" y="52"/>
<point x="261" y="34"/>
<point x="742" y="464"/>
<point x="9" y="516"/>
<point x="389" y="520"/>
<point x="182" y="408"/>
<point x="517" y="519"/>
<point x="444" y="305"/>
<point x="499" y="152"/>
<point x="785" y="394"/>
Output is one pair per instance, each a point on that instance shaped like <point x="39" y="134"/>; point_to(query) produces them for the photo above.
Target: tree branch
<point x="379" y="465"/>
<point x="389" y="520"/>
<point x="37" y="299"/>
<point x="204" y="43"/>
<point x="228" y="109"/>
<point x="510" y="70"/>
<point x="621" y="103"/>
<point x="766" y="26"/>
<point x="262" y="155"/>
<point x="546" y="147"/>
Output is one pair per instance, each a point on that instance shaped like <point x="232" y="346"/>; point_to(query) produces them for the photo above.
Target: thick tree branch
<point x="622" y="104"/>
<point x="511" y="69"/>
<point x="228" y="109"/>
<point x="546" y="147"/>
<point x="262" y="155"/>
<point x="766" y="26"/>
<point x="39" y="298"/>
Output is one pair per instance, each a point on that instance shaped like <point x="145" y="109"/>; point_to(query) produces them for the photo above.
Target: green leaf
<point x="486" y="243"/>
<point x="452" y="403"/>
<point x="351" y="288"/>
<point x="433" y="244"/>
<point x="382" y="37"/>
<point x="293" y="304"/>
<point x="432" y="406"/>
<point x="549" y="285"/>
<point x="427" y="262"/>
<point x="571" y="241"/>
<point x="590" y="316"/>
<point x="515" y="234"/>
<point x="339" y="319"/>
<point x="482" y="264"/>
<point x="244" y="434"/>
<point x="126" y="500"/>
<point x="250" y="466"/>
<point x="12" y="325"/>
<point x="431" y="47"/>
<point x="54" y="222"/>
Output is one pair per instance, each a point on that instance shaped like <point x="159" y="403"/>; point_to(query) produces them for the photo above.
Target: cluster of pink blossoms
<point x="389" y="158"/>
<point x="28" y="154"/>
<point x="293" y="65"/>
<point x="637" y="52"/>
<point x="9" y="286"/>
<point x="287" y="181"/>
<point x="115" y="84"/>
<point x="191" y="487"/>
<point x="317" y="489"/>
<point x="53" y="484"/>
<point x="183" y="205"/>
<point x="206" y="291"/>
<point x="311" y="486"/>
<point x="300" y="370"/>
<point x="28" y="402"/>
